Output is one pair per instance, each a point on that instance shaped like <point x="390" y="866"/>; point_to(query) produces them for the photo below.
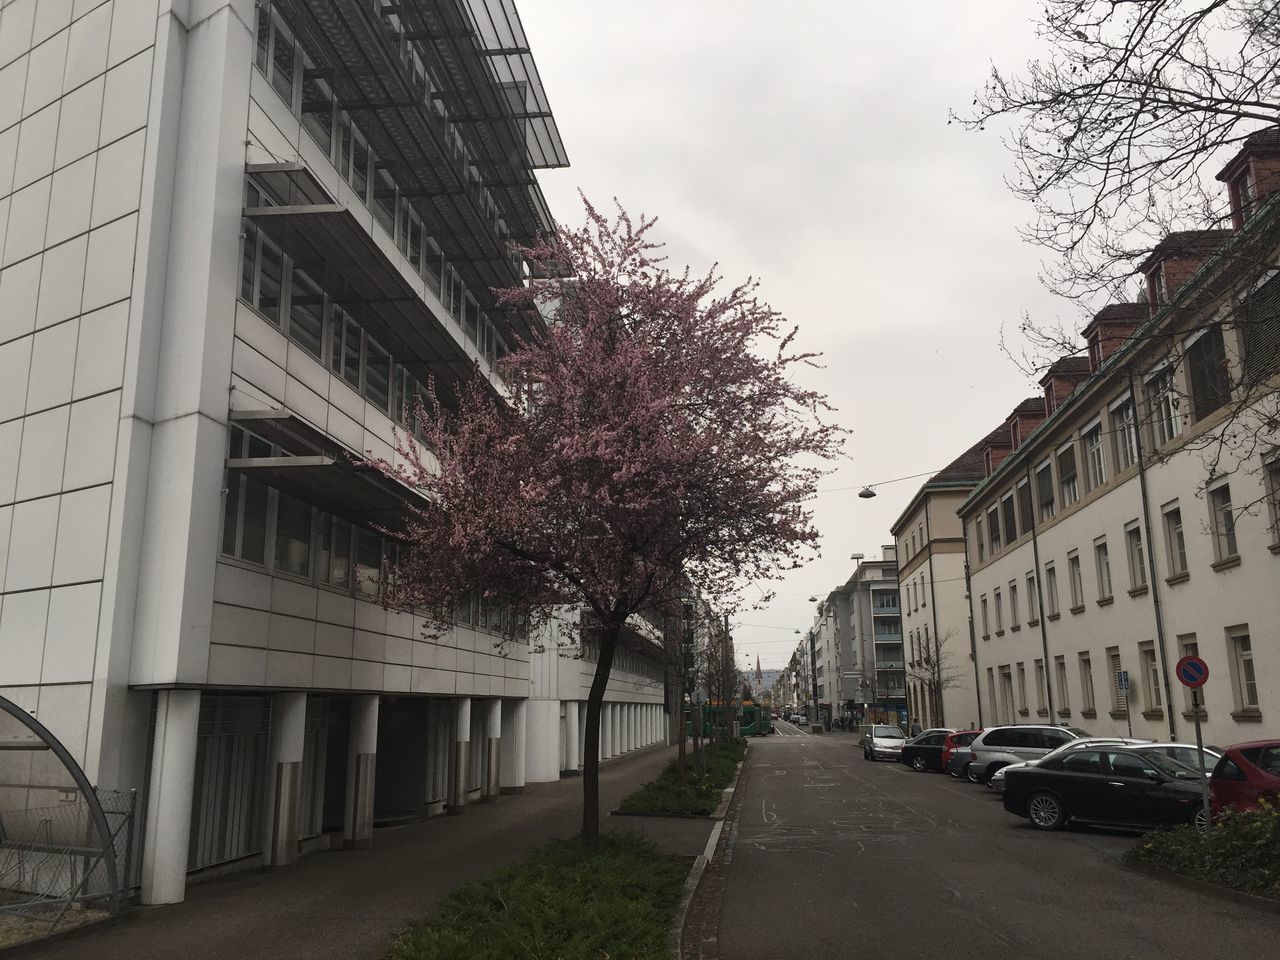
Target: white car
<point x="996" y="782"/>
<point x="883" y="741"/>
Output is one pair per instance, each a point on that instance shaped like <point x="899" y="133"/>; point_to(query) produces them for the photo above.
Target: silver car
<point x="883" y="742"/>
<point x="1000" y="746"/>
<point x="996" y="781"/>
<point x="1185" y="753"/>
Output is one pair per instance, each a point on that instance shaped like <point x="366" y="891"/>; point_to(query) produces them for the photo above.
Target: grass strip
<point x="563" y="902"/>
<point x="698" y="796"/>
<point x="1240" y="851"/>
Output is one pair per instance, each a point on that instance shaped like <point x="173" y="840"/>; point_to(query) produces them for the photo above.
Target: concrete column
<point x="619" y="743"/>
<point x="173" y="774"/>
<point x="362" y="755"/>
<point x="629" y="727"/>
<point x="284" y="779"/>
<point x="571" y="734"/>
<point x="606" y="731"/>
<point x="493" y="730"/>
<point x="582" y="735"/>
<point x="459" y="771"/>
<point x="514" y="735"/>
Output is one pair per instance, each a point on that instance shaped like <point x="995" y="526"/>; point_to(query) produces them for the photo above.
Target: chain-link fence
<point x="65" y="848"/>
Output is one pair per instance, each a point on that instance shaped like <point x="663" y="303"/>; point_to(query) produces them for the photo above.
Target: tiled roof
<point x="1266" y="137"/>
<point x="1123" y="311"/>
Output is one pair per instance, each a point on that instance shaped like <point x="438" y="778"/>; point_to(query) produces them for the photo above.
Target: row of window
<point x="1222" y="527"/>
<point x="302" y="84"/>
<point x="1108" y="445"/>
<point x="288" y="537"/>
<point x="1143" y="690"/>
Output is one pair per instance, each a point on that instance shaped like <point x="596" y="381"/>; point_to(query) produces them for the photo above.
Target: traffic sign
<point x="1122" y="681"/>
<point x="1192" y="672"/>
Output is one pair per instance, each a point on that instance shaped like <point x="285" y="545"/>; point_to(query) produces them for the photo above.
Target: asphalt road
<point x="828" y="855"/>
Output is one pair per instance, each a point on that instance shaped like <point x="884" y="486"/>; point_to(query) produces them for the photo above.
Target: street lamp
<point x="866" y="493"/>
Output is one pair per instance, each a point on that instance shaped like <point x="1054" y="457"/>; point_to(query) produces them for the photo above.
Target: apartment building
<point x="1138" y="522"/>
<point x="929" y="537"/>
<point x="236" y="239"/>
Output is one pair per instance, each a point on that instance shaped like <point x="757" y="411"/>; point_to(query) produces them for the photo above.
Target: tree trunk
<point x="591" y="747"/>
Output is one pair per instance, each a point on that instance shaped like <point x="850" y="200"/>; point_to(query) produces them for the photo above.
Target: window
<point x="1060" y="670"/>
<point x="1271" y="484"/>
<point x="1188" y="647"/>
<point x="244" y="524"/>
<point x="283" y="62"/>
<point x="1223" y="523"/>
<point x="1022" y="688"/>
<point x="1077" y="582"/>
<point x="1025" y="510"/>
<point x="1175" y="544"/>
<point x="1067" y="483"/>
<point x="1124" y="434"/>
<point x="1051" y="589"/>
<point x="1093" y="456"/>
<point x="1207" y="372"/>
<point x="1040" y="688"/>
<point x="293" y="536"/>
<point x="1010" y="521"/>
<point x="1103" y="562"/>
<point x="377" y="375"/>
<point x="1083" y="761"/>
<point x="1014" y="619"/>
<point x="1119" y="698"/>
<point x="1258" y="319"/>
<point x="317" y="104"/>
<point x="306" y="313"/>
<point x="1032" y="600"/>
<point x="335" y="553"/>
<point x="368" y="567"/>
<point x="1150" y="677"/>
<point x="993" y="528"/>
<point x="999" y="612"/>
<point x="986" y="624"/>
<point x="991" y="690"/>
<point x="1162" y="399"/>
<point x="1044" y="490"/>
<point x="1244" y="681"/>
<point x="1087" y="703"/>
<point x="1006" y="693"/>
<point x="1137" y="559"/>
<point x="1245" y="191"/>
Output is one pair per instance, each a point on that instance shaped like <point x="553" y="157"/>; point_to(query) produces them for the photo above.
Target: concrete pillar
<point x="514" y="736"/>
<point x="459" y="771"/>
<point x="606" y="731"/>
<point x="362" y="755"/>
<point x="629" y="727"/>
<point x="571" y="730"/>
<point x="493" y="730"/>
<point x="284" y="779"/>
<point x="582" y="735"/>
<point x="173" y="774"/>
<point x="617" y="729"/>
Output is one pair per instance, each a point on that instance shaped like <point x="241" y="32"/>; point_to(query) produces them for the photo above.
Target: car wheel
<point x="918" y="764"/>
<point x="1046" y="812"/>
<point x="1199" y="819"/>
<point x="971" y="774"/>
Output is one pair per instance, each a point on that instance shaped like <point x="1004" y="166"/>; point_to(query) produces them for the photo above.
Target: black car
<point x="1132" y="787"/>
<point x="925" y="751"/>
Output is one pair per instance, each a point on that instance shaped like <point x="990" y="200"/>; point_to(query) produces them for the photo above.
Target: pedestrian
<point x="915" y="728"/>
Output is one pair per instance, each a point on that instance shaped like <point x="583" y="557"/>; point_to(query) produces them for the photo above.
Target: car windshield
<point x="1169" y="766"/>
<point x="893" y="732"/>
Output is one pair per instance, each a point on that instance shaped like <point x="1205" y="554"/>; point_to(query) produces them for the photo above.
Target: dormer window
<point x="1016" y="432"/>
<point x="1246" y="194"/>
<point x="1156" y="286"/>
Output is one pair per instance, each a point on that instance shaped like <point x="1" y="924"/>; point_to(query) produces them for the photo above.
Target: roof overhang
<point x="359" y="494"/>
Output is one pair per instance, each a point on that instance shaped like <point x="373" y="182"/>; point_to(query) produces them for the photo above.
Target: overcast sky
<point x="807" y="143"/>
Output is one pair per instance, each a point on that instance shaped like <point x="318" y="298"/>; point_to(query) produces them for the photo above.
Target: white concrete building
<point x="235" y="239"/>
<point x="1138" y="523"/>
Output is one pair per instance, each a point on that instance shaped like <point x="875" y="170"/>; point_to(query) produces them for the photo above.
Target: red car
<point x="954" y="756"/>
<point x="1247" y="773"/>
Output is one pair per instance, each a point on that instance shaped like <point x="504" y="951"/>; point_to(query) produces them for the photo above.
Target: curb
<point x="1252" y="900"/>
<point x="675" y="936"/>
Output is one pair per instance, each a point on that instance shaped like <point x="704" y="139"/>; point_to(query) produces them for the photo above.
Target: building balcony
<point x="888" y="638"/>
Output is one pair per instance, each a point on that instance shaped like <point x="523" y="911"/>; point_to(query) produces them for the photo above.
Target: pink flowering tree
<point x="654" y="435"/>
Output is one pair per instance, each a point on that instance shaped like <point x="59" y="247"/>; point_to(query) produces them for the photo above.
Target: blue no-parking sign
<point x="1192" y="672"/>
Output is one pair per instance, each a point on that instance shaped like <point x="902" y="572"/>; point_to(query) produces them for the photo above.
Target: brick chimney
<point x="1026" y="416"/>
<point x="1175" y="259"/>
<point x="1061" y="379"/>
<point x="1110" y="328"/>
<point x="1253" y="174"/>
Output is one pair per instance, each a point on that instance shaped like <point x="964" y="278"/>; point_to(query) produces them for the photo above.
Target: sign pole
<point x="1204" y="776"/>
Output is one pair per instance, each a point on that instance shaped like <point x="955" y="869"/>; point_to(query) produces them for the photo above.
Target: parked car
<point x="924" y="752"/>
<point x="882" y="741"/>
<point x="1000" y="746"/>
<point x="955" y="756"/>
<point x="1185" y="754"/>
<point x="797" y="718"/>
<point x="996" y="780"/>
<point x="1246" y="774"/>
<point x="1122" y="786"/>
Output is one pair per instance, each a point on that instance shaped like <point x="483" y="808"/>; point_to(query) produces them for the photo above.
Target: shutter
<point x="1259" y="322"/>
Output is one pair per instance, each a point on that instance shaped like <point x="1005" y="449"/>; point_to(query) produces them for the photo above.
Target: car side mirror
<point x="1153" y="775"/>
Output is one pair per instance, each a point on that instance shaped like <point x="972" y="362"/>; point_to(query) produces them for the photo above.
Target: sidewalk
<point x="348" y="904"/>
